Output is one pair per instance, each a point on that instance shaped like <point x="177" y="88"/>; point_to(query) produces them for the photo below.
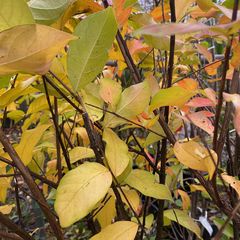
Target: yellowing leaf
<point x="120" y="12"/>
<point x="80" y="190"/>
<point x="6" y="209"/>
<point x="204" y="51"/>
<point x="133" y="101"/>
<point x="110" y="91"/>
<point x="145" y="183"/>
<point x="205" y="5"/>
<point x="122" y="230"/>
<point x="39" y="104"/>
<point x="195" y="156"/>
<point x="13" y="13"/>
<point x="212" y="69"/>
<point x="30" y="48"/>
<point x="29" y="140"/>
<point x="13" y="93"/>
<point x="235" y="61"/>
<point x="173" y="96"/>
<point x="234" y="183"/>
<point x="181" y="8"/>
<point x="96" y="33"/>
<point x="106" y="215"/>
<point x="148" y="220"/>
<point x="183" y="219"/>
<point x="186" y="201"/>
<point x="116" y="152"/>
<point x="79" y="153"/>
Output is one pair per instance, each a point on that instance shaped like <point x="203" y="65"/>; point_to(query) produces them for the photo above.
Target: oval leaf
<point x="145" y="183"/>
<point x="121" y="230"/>
<point x="195" y="156"/>
<point x="116" y="152"/>
<point x="96" y="33"/>
<point x="30" y="48"/>
<point x="47" y="11"/>
<point x="80" y="190"/>
<point x="182" y="218"/>
<point x="13" y="13"/>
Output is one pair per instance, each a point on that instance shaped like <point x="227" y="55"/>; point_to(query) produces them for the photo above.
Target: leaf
<point x="80" y="190"/>
<point x="212" y="69"/>
<point x="79" y="153"/>
<point x="200" y="102"/>
<point x="129" y="3"/>
<point x="235" y="61"/>
<point x="235" y="99"/>
<point x="6" y="209"/>
<point x="145" y="183"/>
<point x="121" y="230"/>
<point x="110" y="91"/>
<point x="181" y="8"/>
<point x="121" y="12"/>
<point x="13" y="13"/>
<point x="204" y="51"/>
<point x="183" y="219"/>
<point x="107" y="214"/>
<point x="200" y="119"/>
<point x="30" y="48"/>
<point x="76" y="7"/>
<point x="13" y="93"/>
<point x="186" y="201"/>
<point x="29" y="140"/>
<point x="195" y="156"/>
<point x="47" y="11"/>
<point x="39" y="104"/>
<point x="134" y="100"/>
<point x="205" y="5"/>
<point x="116" y="152"/>
<point x="96" y="33"/>
<point x="173" y="96"/>
<point x="233" y="182"/>
<point x="148" y="220"/>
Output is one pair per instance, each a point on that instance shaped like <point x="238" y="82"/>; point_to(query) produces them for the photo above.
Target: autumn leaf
<point x="233" y="182"/>
<point x="30" y="48"/>
<point x="121" y="13"/>
<point x="195" y="156"/>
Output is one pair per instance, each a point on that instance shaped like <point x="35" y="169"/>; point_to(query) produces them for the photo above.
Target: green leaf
<point x="133" y="101"/>
<point x="16" y="115"/>
<point x="145" y="183"/>
<point x="116" y="152"/>
<point x="4" y="81"/>
<point x="88" y="55"/>
<point x="129" y="3"/>
<point x="47" y="11"/>
<point x="13" y="13"/>
<point x="122" y="230"/>
<point x="173" y="96"/>
<point x="30" y="48"/>
<point x="183" y="219"/>
<point x="80" y="190"/>
<point x="79" y="153"/>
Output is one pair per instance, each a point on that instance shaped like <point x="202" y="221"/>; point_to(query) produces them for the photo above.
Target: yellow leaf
<point x="116" y="152"/>
<point x="29" y="140"/>
<point x="183" y="219"/>
<point x="13" y="93"/>
<point x="173" y="96"/>
<point x="79" y="153"/>
<point x="145" y="183"/>
<point x="107" y="214"/>
<point x="122" y="230"/>
<point x="186" y="202"/>
<point x="6" y="209"/>
<point x="110" y="91"/>
<point x="30" y="48"/>
<point x="234" y="183"/>
<point x="195" y="156"/>
<point x="235" y="61"/>
<point x="80" y="190"/>
<point x="148" y="220"/>
<point x="39" y="104"/>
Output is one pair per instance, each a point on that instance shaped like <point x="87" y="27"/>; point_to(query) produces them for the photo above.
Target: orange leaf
<point x="204" y="51"/>
<point x="157" y="13"/>
<point x="186" y="202"/>
<point x="212" y="69"/>
<point x="235" y="61"/>
<point x="121" y="13"/>
<point x="189" y="84"/>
